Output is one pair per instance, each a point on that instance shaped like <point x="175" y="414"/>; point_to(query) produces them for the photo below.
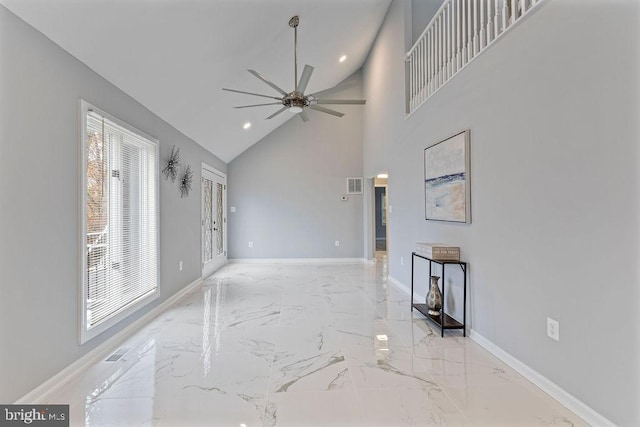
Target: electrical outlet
<point x="401" y="260"/>
<point x="250" y="244"/>
<point x="337" y="243"/>
<point x="553" y="329"/>
<point x="180" y="266"/>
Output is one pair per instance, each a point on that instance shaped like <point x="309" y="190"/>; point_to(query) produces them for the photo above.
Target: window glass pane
<point x="220" y="228"/>
<point x="208" y="220"/>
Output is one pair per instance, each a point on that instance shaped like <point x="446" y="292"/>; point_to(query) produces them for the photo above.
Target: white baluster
<point x="425" y="52"/>
<point x="429" y="61"/>
<point x="504" y="14"/>
<point x="443" y="42"/>
<point x="483" y="34"/>
<point x="443" y="47"/>
<point x="456" y="35"/>
<point x="434" y="41"/>
<point x="523" y="6"/>
<point x="418" y="69"/>
<point x="464" y="32"/>
<point x="461" y="31"/>
<point x="418" y="87"/>
<point x="443" y="32"/>
<point x="469" y="31"/>
<point x="490" y="35"/>
<point x="438" y="50"/>
<point x="443" y="16"/>
<point x="475" y="27"/>
<point x="408" y="65"/>
<point x="447" y="22"/>
<point x="454" y="61"/>
<point x="434" y="70"/>
<point x="417" y="77"/>
<point x="435" y="54"/>
<point x="418" y="59"/>
<point x="416" y="84"/>
<point x="496" y="19"/>
<point x="422" y="70"/>
<point x="452" y="37"/>
<point x="433" y="57"/>
<point x="411" y="86"/>
<point x="439" y="33"/>
<point x="514" y="10"/>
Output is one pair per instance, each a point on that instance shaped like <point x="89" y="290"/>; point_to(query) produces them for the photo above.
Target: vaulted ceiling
<point x="175" y="56"/>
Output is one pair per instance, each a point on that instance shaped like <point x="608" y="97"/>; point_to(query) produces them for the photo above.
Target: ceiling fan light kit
<point x="296" y="101"/>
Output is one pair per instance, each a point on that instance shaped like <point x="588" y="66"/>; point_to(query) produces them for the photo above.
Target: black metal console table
<point x="444" y="321"/>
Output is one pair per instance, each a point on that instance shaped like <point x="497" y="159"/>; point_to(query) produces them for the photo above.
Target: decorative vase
<point x="434" y="297"/>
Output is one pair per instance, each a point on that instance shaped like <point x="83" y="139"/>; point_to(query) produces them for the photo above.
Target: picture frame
<point x="447" y="179"/>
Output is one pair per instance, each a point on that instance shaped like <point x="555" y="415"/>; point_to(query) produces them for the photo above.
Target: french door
<point x="214" y="221"/>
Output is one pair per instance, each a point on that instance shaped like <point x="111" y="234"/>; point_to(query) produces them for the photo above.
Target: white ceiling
<point x="175" y="56"/>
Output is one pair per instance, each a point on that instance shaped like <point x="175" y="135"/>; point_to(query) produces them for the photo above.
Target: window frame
<point x="86" y="334"/>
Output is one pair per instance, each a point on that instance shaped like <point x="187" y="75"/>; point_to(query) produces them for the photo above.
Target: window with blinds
<point x="120" y="236"/>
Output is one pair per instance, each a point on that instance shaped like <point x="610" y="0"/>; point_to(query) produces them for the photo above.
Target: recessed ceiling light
<point x="246" y="126"/>
<point x="382" y="337"/>
<point x="343" y="58"/>
<point x="383" y="176"/>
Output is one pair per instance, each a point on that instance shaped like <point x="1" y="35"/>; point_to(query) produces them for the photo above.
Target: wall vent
<point x="354" y="186"/>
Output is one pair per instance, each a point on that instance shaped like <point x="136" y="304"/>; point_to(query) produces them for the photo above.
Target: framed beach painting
<point x="447" y="185"/>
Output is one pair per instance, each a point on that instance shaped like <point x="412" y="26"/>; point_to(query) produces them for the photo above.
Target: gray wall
<point x="553" y="114"/>
<point x="421" y="13"/>
<point x="40" y="86"/>
<point x="287" y="187"/>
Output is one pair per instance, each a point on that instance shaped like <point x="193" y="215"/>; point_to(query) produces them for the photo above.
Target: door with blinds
<point x="214" y="236"/>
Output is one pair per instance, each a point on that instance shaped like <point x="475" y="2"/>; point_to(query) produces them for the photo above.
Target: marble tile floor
<point x="303" y="345"/>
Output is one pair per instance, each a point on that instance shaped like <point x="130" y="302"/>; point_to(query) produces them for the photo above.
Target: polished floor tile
<point x="303" y="345"/>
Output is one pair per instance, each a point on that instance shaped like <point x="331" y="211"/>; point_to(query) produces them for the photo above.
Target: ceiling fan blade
<point x="304" y="116"/>
<point x="304" y="79"/>
<point x="251" y="93"/>
<point x="276" y="113"/>
<point x="259" y="105"/>
<point x="341" y="101"/>
<point x="326" y="110"/>
<point x="267" y="81"/>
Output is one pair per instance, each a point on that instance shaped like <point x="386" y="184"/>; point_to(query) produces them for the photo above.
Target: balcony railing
<point x="458" y="32"/>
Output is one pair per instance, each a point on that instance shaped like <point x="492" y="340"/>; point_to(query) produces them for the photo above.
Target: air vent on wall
<point x="354" y="185"/>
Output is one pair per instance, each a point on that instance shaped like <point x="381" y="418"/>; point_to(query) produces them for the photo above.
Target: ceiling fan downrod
<point x="293" y="22"/>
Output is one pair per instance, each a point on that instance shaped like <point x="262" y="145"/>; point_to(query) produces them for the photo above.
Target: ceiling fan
<point x="296" y="101"/>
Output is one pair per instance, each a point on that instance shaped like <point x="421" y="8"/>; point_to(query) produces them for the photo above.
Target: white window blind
<point x="121" y="222"/>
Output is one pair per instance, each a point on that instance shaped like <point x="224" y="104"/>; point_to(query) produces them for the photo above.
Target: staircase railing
<point x="459" y="31"/>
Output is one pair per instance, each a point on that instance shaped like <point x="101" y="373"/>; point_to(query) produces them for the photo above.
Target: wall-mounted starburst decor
<point x="171" y="168"/>
<point x="185" y="182"/>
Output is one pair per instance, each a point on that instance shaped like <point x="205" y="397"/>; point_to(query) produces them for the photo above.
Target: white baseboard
<point x="552" y="389"/>
<point x="578" y="407"/>
<point x="300" y="261"/>
<point x="38" y="395"/>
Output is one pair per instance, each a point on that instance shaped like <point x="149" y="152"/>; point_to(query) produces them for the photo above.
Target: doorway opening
<point x="381" y="215"/>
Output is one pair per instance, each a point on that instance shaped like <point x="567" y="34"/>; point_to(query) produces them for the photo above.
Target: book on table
<point x="438" y="251"/>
